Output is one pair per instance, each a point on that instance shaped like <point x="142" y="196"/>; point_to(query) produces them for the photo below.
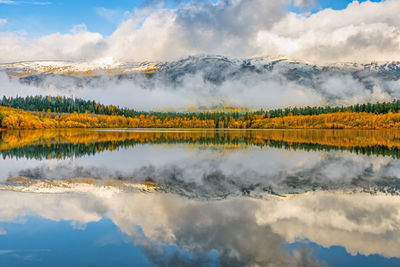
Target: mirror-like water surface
<point x="194" y="197"/>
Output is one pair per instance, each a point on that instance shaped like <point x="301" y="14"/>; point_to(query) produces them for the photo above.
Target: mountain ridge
<point x="109" y="67"/>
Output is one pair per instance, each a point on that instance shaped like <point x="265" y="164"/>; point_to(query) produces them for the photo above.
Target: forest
<point x="58" y="104"/>
<point x="61" y="112"/>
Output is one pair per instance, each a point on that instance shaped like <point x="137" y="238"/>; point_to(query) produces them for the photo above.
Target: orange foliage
<point x="18" y="119"/>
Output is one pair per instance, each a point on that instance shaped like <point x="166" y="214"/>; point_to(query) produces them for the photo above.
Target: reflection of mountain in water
<point x="220" y="163"/>
<point x="209" y="179"/>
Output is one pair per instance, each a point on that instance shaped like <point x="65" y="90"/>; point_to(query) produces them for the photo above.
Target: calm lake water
<point x="199" y="198"/>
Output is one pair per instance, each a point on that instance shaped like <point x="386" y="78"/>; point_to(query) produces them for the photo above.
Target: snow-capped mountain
<point x="214" y="69"/>
<point x="207" y="81"/>
<point x="102" y="67"/>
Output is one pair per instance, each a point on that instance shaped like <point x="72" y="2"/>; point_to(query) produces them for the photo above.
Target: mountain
<point x="78" y="69"/>
<point x="209" y="81"/>
<point x="215" y="69"/>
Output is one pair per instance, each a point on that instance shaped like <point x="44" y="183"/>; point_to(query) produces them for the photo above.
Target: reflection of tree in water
<point x="207" y="177"/>
<point x="69" y="150"/>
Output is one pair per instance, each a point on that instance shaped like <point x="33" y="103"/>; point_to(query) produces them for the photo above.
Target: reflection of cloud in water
<point x="361" y="223"/>
<point x="212" y="173"/>
<point x="240" y="230"/>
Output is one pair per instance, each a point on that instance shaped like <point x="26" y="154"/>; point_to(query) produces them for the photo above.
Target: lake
<point x="123" y="197"/>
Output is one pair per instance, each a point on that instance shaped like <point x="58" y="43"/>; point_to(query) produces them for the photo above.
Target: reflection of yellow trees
<point x="336" y="138"/>
<point x="18" y="119"/>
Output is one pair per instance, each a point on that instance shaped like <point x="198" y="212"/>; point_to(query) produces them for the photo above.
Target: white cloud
<point x="8" y="2"/>
<point x="38" y="3"/>
<point x="3" y="21"/>
<point x="364" y="32"/>
<point x="108" y="14"/>
<point x="305" y="5"/>
<point x="227" y="27"/>
<point x="12" y="2"/>
<point x="367" y="31"/>
<point x="77" y="45"/>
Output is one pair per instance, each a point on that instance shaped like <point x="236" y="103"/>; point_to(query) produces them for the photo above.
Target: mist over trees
<point x="58" y="104"/>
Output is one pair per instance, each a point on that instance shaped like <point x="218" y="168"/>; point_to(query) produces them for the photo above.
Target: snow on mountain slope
<point x="102" y="67"/>
<point x="206" y="81"/>
<point x="214" y="68"/>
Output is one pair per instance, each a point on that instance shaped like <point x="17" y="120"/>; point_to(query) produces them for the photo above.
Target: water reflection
<point x="207" y="198"/>
<point x="67" y="143"/>
<point x="211" y="171"/>
<point x="234" y="231"/>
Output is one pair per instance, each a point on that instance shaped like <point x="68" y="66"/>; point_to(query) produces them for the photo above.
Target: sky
<point x="106" y="33"/>
<point x="36" y="18"/>
<point x="320" y="31"/>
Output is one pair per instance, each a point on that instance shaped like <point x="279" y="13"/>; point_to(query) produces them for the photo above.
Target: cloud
<point x="76" y="45"/>
<point x="111" y="15"/>
<point x="213" y="81"/>
<point x="38" y="3"/>
<point x="199" y="27"/>
<point x="8" y="2"/>
<point x="362" y="32"/>
<point x="305" y="5"/>
<point x="12" y="2"/>
<point x="367" y="31"/>
<point x="3" y="21"/>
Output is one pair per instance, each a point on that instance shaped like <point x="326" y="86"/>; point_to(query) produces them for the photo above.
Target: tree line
<point x="11" y="118"/>
<point x="62" y="104"/>
<point x="58" y="104"/>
